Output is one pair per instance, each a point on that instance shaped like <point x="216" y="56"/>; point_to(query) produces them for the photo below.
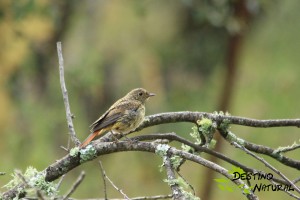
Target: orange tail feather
<point x="90" y="138"/>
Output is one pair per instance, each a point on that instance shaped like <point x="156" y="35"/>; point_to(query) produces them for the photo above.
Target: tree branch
<point x="231" y="137"/>
<point x="75" y="185"/>
<point x="65" y="95"/>
<point x="174" y="137"/>
<point x="69" y="162"/>
<point x="111" y="182"/>
<point x="171" y="177"/>
<point x="104" y="179"/>
<point x="267" y="164"/>
<point x="187" y="116"/>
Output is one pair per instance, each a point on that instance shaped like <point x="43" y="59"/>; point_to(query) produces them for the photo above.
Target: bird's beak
<point x="151" y="94"/>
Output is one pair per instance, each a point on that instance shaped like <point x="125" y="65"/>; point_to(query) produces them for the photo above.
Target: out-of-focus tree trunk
<point x="235" y="43"/>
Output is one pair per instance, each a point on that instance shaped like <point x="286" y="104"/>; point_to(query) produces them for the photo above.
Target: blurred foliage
<point x="176" y="49"/>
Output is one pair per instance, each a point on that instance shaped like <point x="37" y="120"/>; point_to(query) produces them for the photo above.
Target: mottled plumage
<point x="123" y="116"/>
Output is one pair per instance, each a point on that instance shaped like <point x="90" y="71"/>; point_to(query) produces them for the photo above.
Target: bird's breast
<point x="131" y="120"/>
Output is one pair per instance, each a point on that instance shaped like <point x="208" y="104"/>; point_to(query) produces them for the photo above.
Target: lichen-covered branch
<point x="97" y="148"/>
<point x="267" y="164"/>
<point x="69" y="162"/>
<point x="171" y="179"/>
<point x="262" y="149"/>
<point x="174" y="137"/>
<point x="187" y="116"/>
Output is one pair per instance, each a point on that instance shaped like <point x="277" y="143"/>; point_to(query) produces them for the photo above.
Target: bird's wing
<point x="113" y="115"/>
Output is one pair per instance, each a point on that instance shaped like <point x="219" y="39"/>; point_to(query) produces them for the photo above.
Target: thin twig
<point x="112" y="183"/>
<point x="66" y="149"/>
<point x="104" y="180"/>
<point x="60" y="182"/>
<point x="75" y="185"/>
<point x="287" y="149"/>
<point x="65" y="95"/>
<point x="267" y="164"/>
<point x="286" y="191"/>
<point x="190" y="186"/>
<point x="153" y="197"/>
<point x="296" y="180"/>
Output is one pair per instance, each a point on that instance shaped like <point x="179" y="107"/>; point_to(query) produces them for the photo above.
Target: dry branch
<point x="187" y="116"/>
<point x="65" y="96"/>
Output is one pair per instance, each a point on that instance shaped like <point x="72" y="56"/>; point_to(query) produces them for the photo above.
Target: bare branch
<point x="75" y="185"/>
<point x="190" y="186"/>
<point x="104" y="180"/>
<point x="231" y="137"/>
<point x="111" y="182"/>
<point x="267" y="164"/>
<point x="60" y="181"/>
<point x="65" y="95"/>
<point x="296" y="180"/>
<point x="288" y="192"/>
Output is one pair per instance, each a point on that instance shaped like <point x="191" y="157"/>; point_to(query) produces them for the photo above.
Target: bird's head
<point x="139" y="94"/>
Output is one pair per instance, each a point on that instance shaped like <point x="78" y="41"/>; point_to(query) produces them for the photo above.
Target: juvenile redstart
<point x="123" y="116"/>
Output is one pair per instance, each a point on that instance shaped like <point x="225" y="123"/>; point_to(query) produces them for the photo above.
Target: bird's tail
<point x="90" y="138"/>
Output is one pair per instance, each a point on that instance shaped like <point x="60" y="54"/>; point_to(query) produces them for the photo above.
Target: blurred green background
<point x="241" y="56"/>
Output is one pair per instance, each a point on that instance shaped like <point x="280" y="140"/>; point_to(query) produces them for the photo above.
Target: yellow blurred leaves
<point x="18" y="36"/>
<point x="21" y="29"/>
<point x="36" y="28"/>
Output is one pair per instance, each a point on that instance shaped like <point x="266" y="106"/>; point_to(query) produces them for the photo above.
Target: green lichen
<point x="88" y="153"/>
<point x="182" y="186"/>
<point x="280" y="149"/>
<point x="35" y="180"/>
<point x="16" y="180"/>
<point x="225" y="125"/>
<point x="233" y="138"/>
<point x="171" y="182"/>
<point x="74" y="151"/>
<point x="195" y="135"/>
<point x="189" y="196"/>
<point x="207" y="128"/>
<point x="161" y="149"/>
<point x="187" y="148"/>
<point x="176" y="161"/>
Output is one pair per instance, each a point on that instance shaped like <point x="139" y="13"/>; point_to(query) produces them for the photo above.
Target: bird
<point x="125" y="115"/>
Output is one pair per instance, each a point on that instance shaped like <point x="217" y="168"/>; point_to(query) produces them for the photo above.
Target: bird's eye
<point x="140" y="94"/>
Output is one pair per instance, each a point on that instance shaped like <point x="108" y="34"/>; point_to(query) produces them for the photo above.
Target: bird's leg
<point x="115" y="139"/>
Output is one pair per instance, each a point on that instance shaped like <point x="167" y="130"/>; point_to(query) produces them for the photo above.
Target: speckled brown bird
<point x="123" y="116"/>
